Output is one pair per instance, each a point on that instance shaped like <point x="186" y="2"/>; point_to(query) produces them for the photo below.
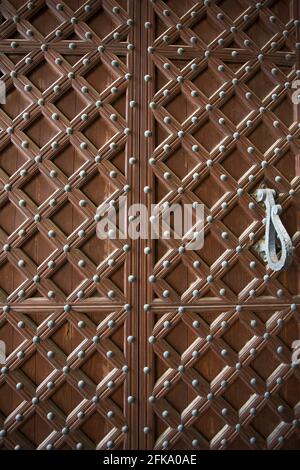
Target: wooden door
<point x="216" y="333"/>
<point x="161" y="101"/>
<point x="69" y="310"/>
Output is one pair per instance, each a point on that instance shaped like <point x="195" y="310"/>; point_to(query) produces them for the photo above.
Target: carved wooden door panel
<point x="219" y="324"/>
<point x="67" y="300"/>
<point x="128" y="344"/>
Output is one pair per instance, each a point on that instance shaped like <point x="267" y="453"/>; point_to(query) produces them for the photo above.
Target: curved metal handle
<point x="275" y="230"/>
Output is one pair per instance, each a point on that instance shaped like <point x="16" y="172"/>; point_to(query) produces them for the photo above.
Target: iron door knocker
<point x="274" y="232"/>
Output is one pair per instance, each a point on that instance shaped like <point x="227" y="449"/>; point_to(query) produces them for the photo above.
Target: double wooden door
<point x="161" y="101"/>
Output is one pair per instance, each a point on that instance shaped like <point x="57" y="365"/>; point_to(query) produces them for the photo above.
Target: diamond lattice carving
<point x="211" y="83"/>
<point x="67" y="68"/>
<point x="220" y="387"/>
<point x="234" y="139"/>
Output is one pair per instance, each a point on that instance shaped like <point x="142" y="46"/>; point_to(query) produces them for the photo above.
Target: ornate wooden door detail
<point x="144" y="344"/>
<point x="67" y="297"/>
<point x="219" y="124"/>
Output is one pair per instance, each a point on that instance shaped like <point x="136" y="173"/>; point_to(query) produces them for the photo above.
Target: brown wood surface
<point x="85" y="81"/>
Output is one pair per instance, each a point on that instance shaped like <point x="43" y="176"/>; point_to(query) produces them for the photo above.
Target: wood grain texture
<point x="220" y="108"/>
<point x="202" y="357"/>
<point x="68" y="307"/>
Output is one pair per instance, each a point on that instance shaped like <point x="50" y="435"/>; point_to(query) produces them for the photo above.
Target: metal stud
<point x="6" y="308"/>
<point x="279" y="381"/>
<point x="147" y="250"/>
<point x="50" y="385"/>
<point x="54" y="145"/>
<point x="224" y="412"/>
<point x="253" y="381"/>
<point x="21" y="293"/>
<point x="111" y="294"/>
<point x="195" y="383"/>
<point x="50" y="416"/>
<point x="20" y="355"/>
<point x="19" y="418"/>
<point x="224" y="235"/>
<point x="6" y="247"/>
<point x="166" y="354"/>
<point x="152" y="278"/>
<point x="81" y="384"/>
